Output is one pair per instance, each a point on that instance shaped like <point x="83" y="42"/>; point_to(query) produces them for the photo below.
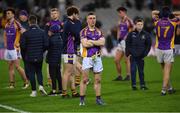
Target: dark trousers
<point x="137" y="63"/>
<point x="55" y="74"/>
<point x="26" y="69"/>
<point x="34" y="68"/>
<point x="25" y="64"/>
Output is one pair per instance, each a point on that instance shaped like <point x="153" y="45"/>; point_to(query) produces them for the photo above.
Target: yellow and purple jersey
<point x="165" y="32"/>
<point x="91" y="35"/>
<point x="12" y="34"/>
<point x="124" y="28"/>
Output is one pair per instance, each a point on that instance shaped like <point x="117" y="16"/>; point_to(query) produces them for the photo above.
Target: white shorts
<point x="121" y="46"/>
<point x="164" y="56"/>
<point x="95" y="64"/>
<point x="10" y="55"/>
<point x="69" y="58"/>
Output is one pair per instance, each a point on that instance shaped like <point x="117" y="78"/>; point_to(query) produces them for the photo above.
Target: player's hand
<point x="50" y="33"/>
<point x="17" y="46"/>
<point x="90" y="42"/>
<point x="17" y="49"/>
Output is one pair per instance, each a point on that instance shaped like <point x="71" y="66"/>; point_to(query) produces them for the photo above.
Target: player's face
<point x="23" y="18"/>
<point x="55" y="15"/>
<point x="122" y="14"/>
<point x="91" y="20"/>
<point x="139" y="26"/>
<point x="9" y="15"/>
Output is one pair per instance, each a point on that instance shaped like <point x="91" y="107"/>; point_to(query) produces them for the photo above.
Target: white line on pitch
<point x="12" y="109"/>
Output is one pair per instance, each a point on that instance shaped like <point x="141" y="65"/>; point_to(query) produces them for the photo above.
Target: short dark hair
<point x="72" y="10"/>
<point x="10" y="9"/>
<point x="91" y="13"/>
<point x="121" y="9"/>
<point x="165" y="12"/>
<point x="33" y="19"/>
<point x="54" y="9"/>
<point x="138" y="20"/>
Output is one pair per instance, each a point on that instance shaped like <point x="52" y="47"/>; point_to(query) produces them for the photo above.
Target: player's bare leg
<point x="118" y="57"/>
<point x="73" y="87"/>
<point x="22" y="73"/>
<point x="77" y="73"/>
<point x="83" y="86"/>
<point x="83" y="83"/>
<point x="97" y="83"/>
<point x="166" y="69"/>
<point x="11" y="74"/>
<point x="97" y="88"/>
<point x="68" y="70"/>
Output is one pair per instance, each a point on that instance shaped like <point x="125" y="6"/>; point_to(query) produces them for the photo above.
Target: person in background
<point x="54" y="28"/>
<point x="34" y="42"/>
<point x="124" y="27"/>
<point x="23" y="19"/>
<point x="165" y="33"/>
<point x="71" y="41"/>
<point x="92" y="40"/>
<point x="138" y="44"/>
<point x="12" y="32"/>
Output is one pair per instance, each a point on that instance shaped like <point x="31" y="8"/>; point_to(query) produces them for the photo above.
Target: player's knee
<point x="116" y="60"/>
<point x="126" y="61"/>
<point x="97" y="81"/>
<point x="17" y="67"/>
<point x="85" y="81"/>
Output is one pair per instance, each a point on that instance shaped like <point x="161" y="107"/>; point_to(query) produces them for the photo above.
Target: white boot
<point x="33" y="94"/>
<point x="41" y="89"/>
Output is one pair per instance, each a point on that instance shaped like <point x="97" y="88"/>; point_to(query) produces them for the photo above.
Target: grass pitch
<point x="117" y="94"/>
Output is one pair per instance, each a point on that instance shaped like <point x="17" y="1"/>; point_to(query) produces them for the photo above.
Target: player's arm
<point x="118" y="31"/>
<point x="19" y="27"/>
<point x="155" y="14"/>
<point x="17" y="39"/>
<point x="5" y="39"/>
<point x="131" y="24"/>
<point x="86" y="43"/>
<point x="99" y="42"/>
<point x="20" y="30"/>
<point x="176" y="14"/>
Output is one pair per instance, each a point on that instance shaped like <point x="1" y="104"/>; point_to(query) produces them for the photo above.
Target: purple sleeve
<point x="155" y="19"/>
<point x="82" y="34"/>
<point x="175" y="20"/>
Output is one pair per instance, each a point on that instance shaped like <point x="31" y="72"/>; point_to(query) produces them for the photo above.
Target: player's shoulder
<point x="98" y="30"/>
<point x="84" y="30"/>
<point x="175" y="19"/>
<point x="17" y="23"/>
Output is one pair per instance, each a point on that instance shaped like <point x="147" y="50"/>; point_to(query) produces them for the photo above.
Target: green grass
<point x="117" y="95"/>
